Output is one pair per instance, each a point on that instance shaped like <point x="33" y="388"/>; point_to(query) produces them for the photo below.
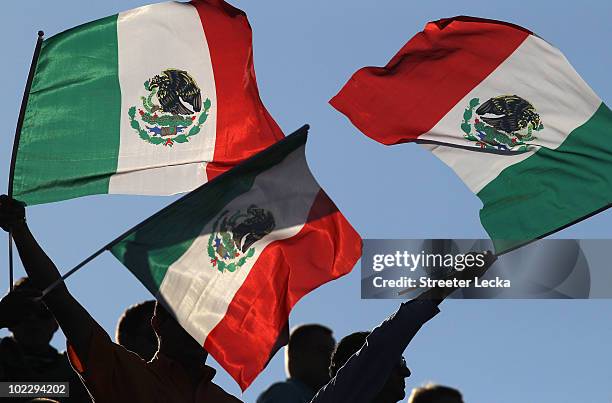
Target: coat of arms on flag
<point x="172" y="110"/>
<point x="229" y="244"/>
<point x="505" y="122"/>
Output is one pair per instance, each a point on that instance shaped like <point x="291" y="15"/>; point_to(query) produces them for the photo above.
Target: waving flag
<point x="233" y="257"/>
<point x="156" y="100"/>
<point x="489" y="85"/>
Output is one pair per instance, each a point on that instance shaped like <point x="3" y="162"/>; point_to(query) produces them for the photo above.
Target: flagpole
<point x="73" y="270"/>
<point x="24" y="103"/>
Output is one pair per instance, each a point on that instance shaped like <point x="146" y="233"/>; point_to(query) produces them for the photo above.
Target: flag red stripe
<point x="326" y="248"/>
<point x="244" y="126"/>
<point x="426" y="78"/>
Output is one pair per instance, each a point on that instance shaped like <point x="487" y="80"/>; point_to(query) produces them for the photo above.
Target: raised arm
<point x="362" y="377"/>
<point x="365" y="373"/>
<point x="75" y="321"/>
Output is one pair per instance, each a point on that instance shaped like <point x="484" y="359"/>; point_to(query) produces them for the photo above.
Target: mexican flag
<point x="544" y="138"/>
<point x="233" y="257"/>
<point x="156" y="100"/>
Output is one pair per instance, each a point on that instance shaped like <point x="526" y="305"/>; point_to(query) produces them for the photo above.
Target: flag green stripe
<point x="552" y="188"/>
<point x="70" y="139"/>
<point x="170" y="233"/>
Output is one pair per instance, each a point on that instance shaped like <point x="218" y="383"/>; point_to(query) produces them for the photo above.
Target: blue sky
<point x="494" y="351"/>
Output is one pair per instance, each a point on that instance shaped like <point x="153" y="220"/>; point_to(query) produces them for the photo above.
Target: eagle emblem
<point x="505" y="122"/>
<point x="172" y="110"/>
<point x="230" y="244"/>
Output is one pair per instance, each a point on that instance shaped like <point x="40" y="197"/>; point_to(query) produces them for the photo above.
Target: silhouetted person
<point x="27" y="352"/>
<point x="368" y="367"/>
<point x="307" y="360"/>
<point x="435" y="394"/>
<point x="26" y="355"/>
<point x="394" y="388"/>
<point x="134" y="330"/>
<point x="111" y="373"/>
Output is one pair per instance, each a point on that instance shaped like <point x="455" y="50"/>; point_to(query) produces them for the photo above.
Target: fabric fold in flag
<point x="233" y="257"/>
<point x="155" y="101"/>
<point x="473" y="83"/>
<point x="465" y="85"/>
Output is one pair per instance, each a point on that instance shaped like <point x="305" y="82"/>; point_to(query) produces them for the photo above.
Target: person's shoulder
<point x="279" y="392"/>
<point x="105" y="355"/>
<point x="7" y="342"/>
<point x="281" y="387"/>
<point x="221" y="396"/>
<point x="10" y="357"/>
<point x="9" y="350"/>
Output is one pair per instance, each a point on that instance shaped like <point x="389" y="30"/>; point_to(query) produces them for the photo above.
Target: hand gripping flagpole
<point x="24" y="103"/>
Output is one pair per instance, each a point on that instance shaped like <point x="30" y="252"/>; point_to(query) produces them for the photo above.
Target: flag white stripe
<point x="537" y="72"/>
<point x="476" y="169"/>
<point x="195" y="290"/>
<point x="144" y="52"/>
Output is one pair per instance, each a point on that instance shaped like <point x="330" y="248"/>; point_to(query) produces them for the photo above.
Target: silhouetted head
<point x="394" y="389"/>
<point x="435" y="394"/>
<point x="42" y="400"/>
<point x="174" y="341"/>
<point x="134" y="330"/>
<point x="308" y="354"/>
<point x="35" y="329"/>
